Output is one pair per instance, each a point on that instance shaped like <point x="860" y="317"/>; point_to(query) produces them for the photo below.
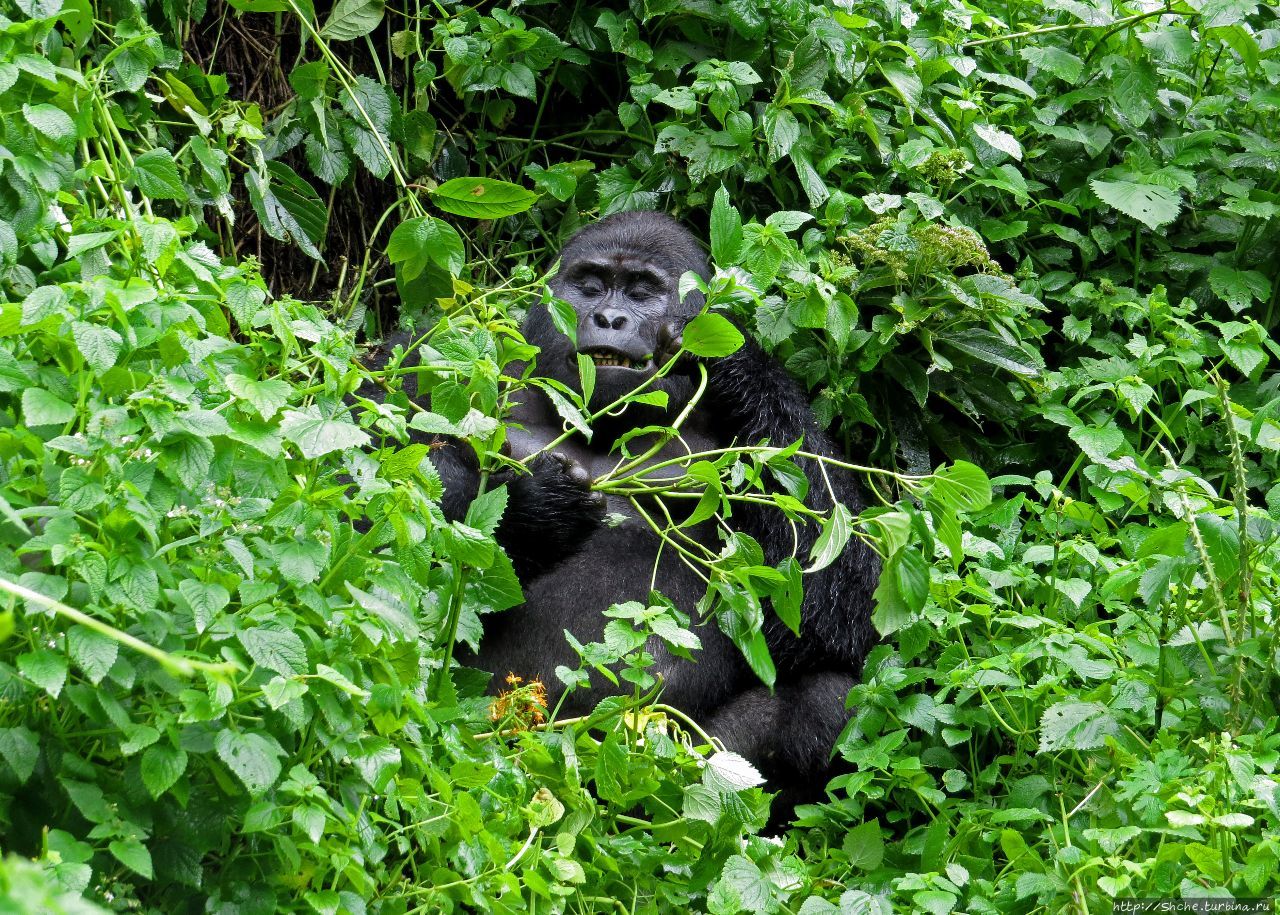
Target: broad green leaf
<point x="999" y="139"/>
<point x="422" y="240"/>
<point x="41" y="408"/>
<point x="1062" y="64"/>
<point x="156" y="175"/>
<point x="46" y="669"/>
<point x="864" y="846"/>
<point x="254" y="758"/>
<point x="1154" y="206"/>
<point x="961" y="487"/>
<point x="482" y="198"/>
<point x="1073" y="725"/>
<point x="162" y="766"/>
<point x="352" y="18"/>
<point x="20" y="748"/>
<point x="316" y="435"/>
<point x="837" y="528"/>
<point x="92" y="652"/>
<point x="288" y="207"/>
<point x="133" y="855"/>
<point x="726" y="230"/>
<point x="902" y="591"/>
<point x="51" y="122"/>
<point x="99" y="345"/>
<point x="710" y="335"/>
<point x="266" y="397"/>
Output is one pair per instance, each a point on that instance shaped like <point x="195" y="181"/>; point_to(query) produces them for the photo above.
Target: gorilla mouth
<point x="602" y="356"/>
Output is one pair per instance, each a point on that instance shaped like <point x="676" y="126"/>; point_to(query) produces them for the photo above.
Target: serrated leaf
<point x="837" y="528"/>
<point x="133" y="855"/>
<point x="999" y="139"/>
<point x="253" y="758"/>
<point x="267" y="397"/>
<point x="156" y="175"/>
<point x="162" y="766"/>
<point x="1071" y="725"/>
<point x="46" y="669"/>
<point x="482" y="198"/>
<point x="316" y="435"/>
<point x="51" y="122"/>
<point x="93" y="652"/>
<point x="1152" y="205"/>
<point x="206" y="600"/>
<point x="41" y="408"/>
<point x="99" y="345"/>
<point x="21" y="750"/>
<point x="275" y="648"/>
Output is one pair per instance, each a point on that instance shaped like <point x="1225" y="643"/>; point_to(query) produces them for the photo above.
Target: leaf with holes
<point x="482" y="198"/>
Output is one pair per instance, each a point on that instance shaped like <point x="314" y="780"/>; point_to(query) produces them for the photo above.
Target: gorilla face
<point x="622" y="276"/>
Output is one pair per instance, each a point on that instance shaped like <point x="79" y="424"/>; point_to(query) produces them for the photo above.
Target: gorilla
<point x="621" y="276"/>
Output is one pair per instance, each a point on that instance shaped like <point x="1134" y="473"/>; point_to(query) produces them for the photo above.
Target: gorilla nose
<point x="609" y="319"/>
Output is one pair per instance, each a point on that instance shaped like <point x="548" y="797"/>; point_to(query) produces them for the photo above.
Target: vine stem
<point x="186" y="667"/>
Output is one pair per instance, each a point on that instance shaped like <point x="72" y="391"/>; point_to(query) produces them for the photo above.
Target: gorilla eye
<point x="590" y="285"/>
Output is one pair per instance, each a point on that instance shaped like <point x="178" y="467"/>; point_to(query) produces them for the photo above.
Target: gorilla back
<point x="621" y="276"/>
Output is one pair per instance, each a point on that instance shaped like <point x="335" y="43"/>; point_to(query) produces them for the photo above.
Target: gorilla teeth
<point x="610" y="359"/>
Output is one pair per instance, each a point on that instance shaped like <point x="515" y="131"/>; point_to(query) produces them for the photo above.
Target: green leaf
<point x="99" y="345"/>
<point x="710" y="335"/>
<point x="133" y="855"/>
<point x="21" y="750"/>
<point x="990" y="348"/>
<point x="267" y="397"/>
<point x="422" y="240"/>
<point x="162" y="766"/>
<point x="52" y="122"/>
<point x="93" y="652"/>
<point x="961" y="487"/>
<point x="288" y="207"/>
<point x="864" y="846"/>
<point x="40" y="408"/>
<point x="902" y="591"/>
<point x="837" y="528"/>
<point x="999" y="139"/>
<point x="1151" y="204"/>
<point x="742" y="887"/>
<point x="46" y="669"/>
<point x="1062" y="64"/>
<point x="1072" y="725"/>
<point x="1239" y="288"/>
<point x="254" y="759"/>
<point x="316" y="435"/>
<point x="352" y="19"/>
<point x="726" y="230"/>
<point x="156" y="175"/>
<point x="482" y="198"/>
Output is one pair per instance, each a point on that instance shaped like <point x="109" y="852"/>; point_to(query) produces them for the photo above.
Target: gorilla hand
<point x="551" y="513"/>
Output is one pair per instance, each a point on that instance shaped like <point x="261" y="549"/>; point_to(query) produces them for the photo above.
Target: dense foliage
<point x="1039" y="237"/>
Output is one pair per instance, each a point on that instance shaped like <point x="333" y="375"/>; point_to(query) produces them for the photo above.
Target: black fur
<point x="573" y="566"/>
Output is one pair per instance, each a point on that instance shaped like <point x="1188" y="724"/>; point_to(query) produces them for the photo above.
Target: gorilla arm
<point x="790" y="731"/>
<point x="551" y="509"/>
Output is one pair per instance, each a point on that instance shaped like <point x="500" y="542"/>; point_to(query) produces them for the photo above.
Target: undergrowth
<point x="1036" y="238"/>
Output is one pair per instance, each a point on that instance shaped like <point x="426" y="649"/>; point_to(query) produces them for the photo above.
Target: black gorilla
<point x="621" y="275"/>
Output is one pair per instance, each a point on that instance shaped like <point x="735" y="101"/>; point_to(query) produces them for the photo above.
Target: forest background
<point x="1036" y="237"/>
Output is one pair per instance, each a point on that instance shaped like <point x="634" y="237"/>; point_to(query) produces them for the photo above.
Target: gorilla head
<point x="622" y="277"/>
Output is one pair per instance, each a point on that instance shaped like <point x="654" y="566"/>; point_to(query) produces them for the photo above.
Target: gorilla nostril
<point x="618" y="322"/>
